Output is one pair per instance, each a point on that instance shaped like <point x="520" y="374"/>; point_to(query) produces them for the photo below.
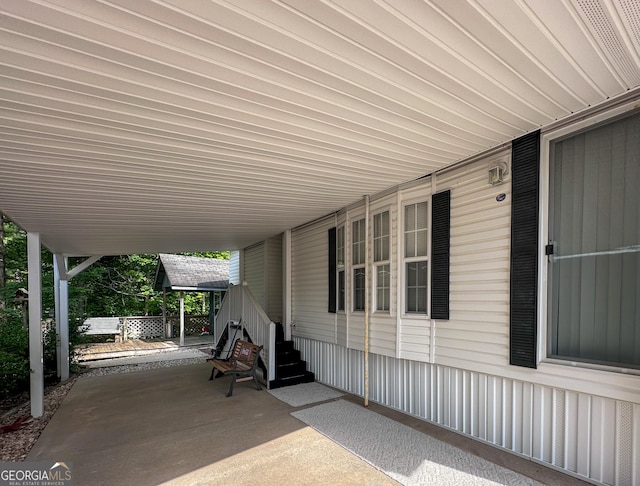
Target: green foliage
<point x="113" y="286"/>
<point x="14" y="355"/>
<point x="16" y="268"/>
<point x="14" y="338"/>
<point x="14" y="374"/>
<point x="118" y="286"/>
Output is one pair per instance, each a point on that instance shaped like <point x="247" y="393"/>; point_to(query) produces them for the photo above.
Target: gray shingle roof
<point x="192" y="273"/>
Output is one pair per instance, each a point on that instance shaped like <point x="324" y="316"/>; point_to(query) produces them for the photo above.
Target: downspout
<point x="367" y="279"/>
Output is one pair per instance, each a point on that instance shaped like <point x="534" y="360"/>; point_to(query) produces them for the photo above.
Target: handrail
<point x="239" y="304"/>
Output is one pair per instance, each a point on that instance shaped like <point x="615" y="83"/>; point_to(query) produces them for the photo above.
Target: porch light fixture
<point x="497" y="170"/>
<point x="495" y="176"/>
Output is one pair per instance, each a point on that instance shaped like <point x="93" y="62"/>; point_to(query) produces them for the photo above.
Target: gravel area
<point x="15" y="445"/>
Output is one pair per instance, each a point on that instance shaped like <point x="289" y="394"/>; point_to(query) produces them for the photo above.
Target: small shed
<point x="181" y="273"/>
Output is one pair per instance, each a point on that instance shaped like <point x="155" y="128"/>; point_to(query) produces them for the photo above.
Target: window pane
<point x="421" y="302"/>
<point x="340" y="246"/>
<point x="381" y="237"/>
<point x="341" y="295"/>
<point x="383" y="281"/>
<point x="358" y="289"/>
<point x="410" y="218"/>
<point x="421" y="243"/>
<point x="415" y="234"/>
<point x="385" y="248"/>
<point x="416" y="287"/>
<point x="594" y="222"/>
<point x="409" y="245"/>
<point x="358" y="242"/>
<point x="422" y="274"/>
<point x="422" y="215"/>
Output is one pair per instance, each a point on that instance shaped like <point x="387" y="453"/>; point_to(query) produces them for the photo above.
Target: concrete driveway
<point x="173" y="426"/>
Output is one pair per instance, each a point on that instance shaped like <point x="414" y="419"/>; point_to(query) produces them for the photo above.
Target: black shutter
<point x="333" y="269"/>
<point x="525" y="175"/>
<point x="440" y="254"/>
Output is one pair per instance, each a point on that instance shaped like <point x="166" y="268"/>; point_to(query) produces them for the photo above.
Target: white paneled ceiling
<point x="183" y="125"/>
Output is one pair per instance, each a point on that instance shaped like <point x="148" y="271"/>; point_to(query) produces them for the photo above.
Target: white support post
<point x="64" y="330"/>
<point x="272" y="353"/>
<point x="56" y="306"/>
<point x="181" y="318"/>
<point x="35" y="325"/>
<point x="61" y="288"/>
<point x="165" y="326"/>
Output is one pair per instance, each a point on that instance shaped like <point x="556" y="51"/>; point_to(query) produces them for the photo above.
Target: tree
<point x="2" y="272"/>
<point x="113" y="286"/>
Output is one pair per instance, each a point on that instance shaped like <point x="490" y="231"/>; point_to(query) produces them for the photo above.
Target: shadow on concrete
<point x="173" y="426"/>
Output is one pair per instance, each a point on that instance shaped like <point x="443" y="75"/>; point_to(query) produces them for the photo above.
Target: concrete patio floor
<point x="172" y="426"/>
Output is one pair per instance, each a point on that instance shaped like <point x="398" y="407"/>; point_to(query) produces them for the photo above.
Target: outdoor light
<point x="495" y="175"/>
<point x="497" y="170"/>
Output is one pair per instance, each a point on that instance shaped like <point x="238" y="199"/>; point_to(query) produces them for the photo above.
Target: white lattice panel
<point x="142" y="327"/>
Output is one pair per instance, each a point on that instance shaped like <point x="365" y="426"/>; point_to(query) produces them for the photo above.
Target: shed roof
<point x="189" y="273"/>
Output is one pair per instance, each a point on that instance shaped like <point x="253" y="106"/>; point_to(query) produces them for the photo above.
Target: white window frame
<point x="379" y="263"/>
<point x="402" y="260"/>
<point x="546" y="140"/>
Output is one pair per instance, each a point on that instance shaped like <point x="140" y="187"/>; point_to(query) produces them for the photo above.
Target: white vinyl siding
<point x="235" y="276"/>
<point x="273" y="278"/>
<point x="583" y="421"/>
<point x="254" y="261"/>
<point x="309" y="288"/>
<point x="263" y="274"/>
<point x="593" y="436"/>
<point x="478" y="329"/>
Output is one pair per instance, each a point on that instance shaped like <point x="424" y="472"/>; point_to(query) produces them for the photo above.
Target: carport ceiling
<point x="177" y="125"/>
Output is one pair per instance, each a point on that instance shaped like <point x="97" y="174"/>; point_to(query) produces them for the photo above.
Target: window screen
<point x="595" y="232"/>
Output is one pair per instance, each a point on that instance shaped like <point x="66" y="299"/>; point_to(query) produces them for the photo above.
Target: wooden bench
<point x="242" y="365"/>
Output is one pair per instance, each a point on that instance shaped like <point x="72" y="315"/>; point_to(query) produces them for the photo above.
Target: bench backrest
<point x="245" y="352"/>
